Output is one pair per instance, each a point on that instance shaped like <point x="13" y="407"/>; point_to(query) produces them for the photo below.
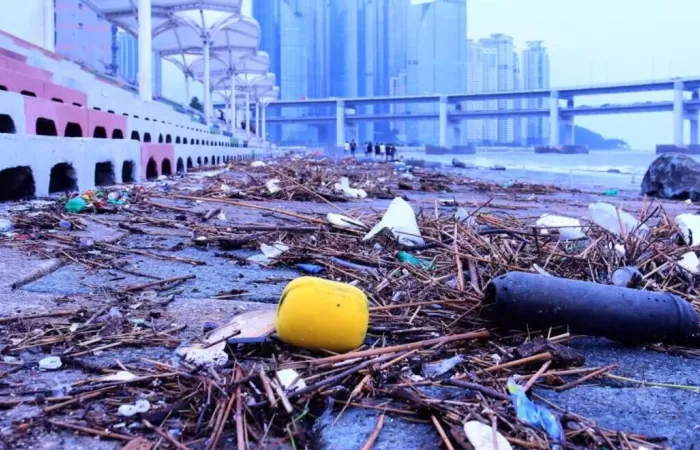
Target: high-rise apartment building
<point x="128" y="62"/>
<point x="83" y="36"/>
<point x="436" y="58"/>
<point x="536" y="76"/>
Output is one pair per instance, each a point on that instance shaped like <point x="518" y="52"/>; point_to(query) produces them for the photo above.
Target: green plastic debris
<point x="610" y="193"/>
<point x="75" y="205"/>
<point x="412" y="260"/>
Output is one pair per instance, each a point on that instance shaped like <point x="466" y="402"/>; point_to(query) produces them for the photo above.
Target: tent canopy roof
<point x="180" y="27"/>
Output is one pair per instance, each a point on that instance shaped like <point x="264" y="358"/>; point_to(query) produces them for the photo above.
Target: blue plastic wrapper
<point x="310" y="268"/>
<point x="534" y="415"/>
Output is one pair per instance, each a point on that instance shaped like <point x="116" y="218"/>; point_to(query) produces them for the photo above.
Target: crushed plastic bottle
<point x="610" y="218"/>
<point x="534" y="415"/>
<point x="629" y="277"/>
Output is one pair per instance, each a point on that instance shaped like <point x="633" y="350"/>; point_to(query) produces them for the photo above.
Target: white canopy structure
<point x="251" y="85"/>
<point x="194" y="34"/>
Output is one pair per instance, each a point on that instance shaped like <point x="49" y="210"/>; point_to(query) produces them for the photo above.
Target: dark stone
<point x="562" y="356"/>
<point x="673" y="176"/>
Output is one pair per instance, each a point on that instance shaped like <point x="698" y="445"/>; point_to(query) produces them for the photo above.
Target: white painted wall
<point x="22" y="20"/>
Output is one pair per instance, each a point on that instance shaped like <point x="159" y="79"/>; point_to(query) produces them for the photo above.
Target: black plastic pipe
<point x="628" y="315"/>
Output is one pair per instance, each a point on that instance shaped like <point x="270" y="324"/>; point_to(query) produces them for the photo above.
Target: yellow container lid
<point x="316" y="314"/>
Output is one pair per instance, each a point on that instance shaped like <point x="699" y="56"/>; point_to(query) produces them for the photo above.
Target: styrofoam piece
<point x="269" y="252"/>
<point x="50" y="363"/>
<point x="400" y="219"/>
<point x="568" y="227"/>
<point x="615" y="220"/>
<point x="690" y="262"/>
<point x="689" y="226"/>
<point x="290" y="379"/>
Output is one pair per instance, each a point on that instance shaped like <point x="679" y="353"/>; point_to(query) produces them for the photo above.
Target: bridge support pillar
<point x="694" y="131"/>
<point x="145" y="50"/>
<point x="678" y="113"/>
<point x="339" y="123"/>
<point x="442" y="121"/>
<point x="554" y="119"/>
<point x="568" y="138"/>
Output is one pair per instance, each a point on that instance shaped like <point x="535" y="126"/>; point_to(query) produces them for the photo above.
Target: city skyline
<point x="582" y="36"/>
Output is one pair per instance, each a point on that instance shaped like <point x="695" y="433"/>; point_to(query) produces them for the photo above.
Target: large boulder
<point x="673" y="176"/>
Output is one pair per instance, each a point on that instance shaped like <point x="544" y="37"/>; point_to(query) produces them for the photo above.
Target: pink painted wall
<point x="158" y="152"/>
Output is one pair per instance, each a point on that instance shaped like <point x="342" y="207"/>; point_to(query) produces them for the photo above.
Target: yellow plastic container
<point x="316" y="314"/>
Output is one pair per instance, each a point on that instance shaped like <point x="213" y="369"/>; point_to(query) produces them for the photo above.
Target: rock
<point x="458" y="163"/>
<point x="673" y="176"/>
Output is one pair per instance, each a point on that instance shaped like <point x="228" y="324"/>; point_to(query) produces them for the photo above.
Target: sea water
<point x="589" y="172"/>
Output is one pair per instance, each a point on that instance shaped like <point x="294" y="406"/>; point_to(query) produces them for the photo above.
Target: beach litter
<point x="375" y="332"/>
<point x="568" y="227"/>
<point x="689" y="226"/>
<point x="615" y="220"/>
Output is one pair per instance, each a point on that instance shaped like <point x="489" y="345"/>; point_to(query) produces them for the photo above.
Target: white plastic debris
<point x="290" y="379"/>
<point x="141" y="406"/>
<point x="348" y="223"/>
<point x="162" y="178"/>
<point x="225" y="187"/>
<point x="401" y="220"/>
<point x="540" y="270"/>
<point x="438" y="368"/>
<point x="269" y="252"/>
<point x="690" y="262"/>
<point x="615" y="220"/>
<point x="273" y="186"/>
<point x="482" y="437"/>
<point x="344" y="187"/>
<point x="122" y="375"/>
<point x="221" y="216"/>
<point x="5" y="226"/>
<point x="568" y="227"/>
<point x="50" y="363"/>
<point x="689" y="225"/>
<point x="212" y="356"/>
<point x="257" y="164"/>
<point x="462" y="215"/>
<point x="620" y="250"/>
<point x="688" y="201"/>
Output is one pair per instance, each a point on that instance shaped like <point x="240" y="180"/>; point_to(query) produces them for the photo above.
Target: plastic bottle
<point x="412" y="260"/>
<point x="615" y="220"/>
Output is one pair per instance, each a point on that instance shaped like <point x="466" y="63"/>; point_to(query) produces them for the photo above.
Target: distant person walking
<point x="346" y="147"/>
<point x="382" y="149"/>
<point x="390" y="149"/>
<point x="368" y="151"/>
<point x="377" y="150"/>
<point x="353" y="147"/>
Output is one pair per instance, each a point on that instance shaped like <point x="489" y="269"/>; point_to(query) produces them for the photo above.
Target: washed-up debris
<point x="256" y="164"/>
<point x="215" y="374"/>
<point x="314" y="313"/>
<point x="344" y="187"/>
<point x="400" y="219"/>
<point x="76" y="205"/>
<point x="273" y="186"/>
<point x="628" y="277"/>
<point x="269" y="252"/>
<point x="568" y="227"/>
<point x="689" y="226"/>
<point x="291" y="379"/>
<point x="341" y="221"/>
<point x="483" y="437"/>
<point x="536" y="416"/>
<point x="690" y="263"/>
<point x="50" y="363"/>
<point x="622" y="314"/>
<point x="615" y="220"/>
<point x="141" y="406"/>
<point x="5" y="226"/>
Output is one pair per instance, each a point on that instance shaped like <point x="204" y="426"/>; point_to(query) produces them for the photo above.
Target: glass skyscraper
<point x="536" y="76"/>
<point x="436" y="57"/>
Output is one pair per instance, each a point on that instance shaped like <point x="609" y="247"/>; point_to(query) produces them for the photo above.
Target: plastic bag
<point x="482" y="437"/>
<point x="401" y="220"/>
<point x="568" y="227"/>
<point x="534" y="415"/>
<point x="75" y="205"/>
<point x="341" y="221"/>
<point x="689" y="261"/>
<point x="269" y="252"/>
<point x="607" y="216"/>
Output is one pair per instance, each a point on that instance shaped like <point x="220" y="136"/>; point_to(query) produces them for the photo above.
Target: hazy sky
<point x="604" y="41"/>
